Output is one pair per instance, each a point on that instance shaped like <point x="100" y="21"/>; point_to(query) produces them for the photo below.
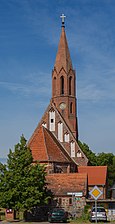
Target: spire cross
<point x="63" y="19"/>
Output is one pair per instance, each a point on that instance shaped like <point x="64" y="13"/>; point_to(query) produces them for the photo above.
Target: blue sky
<point x="29" y="36"/>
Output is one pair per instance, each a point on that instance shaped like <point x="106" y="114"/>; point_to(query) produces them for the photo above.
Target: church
<point x="55" y="139"/>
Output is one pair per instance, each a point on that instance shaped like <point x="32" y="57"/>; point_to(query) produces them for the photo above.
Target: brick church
<point x="55" y="139"/>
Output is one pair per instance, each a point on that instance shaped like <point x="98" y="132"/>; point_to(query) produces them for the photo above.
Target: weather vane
<point x="63" y="19"/>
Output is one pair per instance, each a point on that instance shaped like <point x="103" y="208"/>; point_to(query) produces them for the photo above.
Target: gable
<point x="45" y="147"/>
<point x="52" y="120"/>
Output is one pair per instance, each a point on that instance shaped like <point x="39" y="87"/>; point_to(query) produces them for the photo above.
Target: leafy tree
<point x="105" y="159"/>
<point x="89" y="154"/>
<point x="22" y="184"/>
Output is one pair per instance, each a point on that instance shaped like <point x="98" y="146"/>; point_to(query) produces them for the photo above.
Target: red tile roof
<point x="96" y="174"/>
<point x="45" y="147"/>
<point x="60" y="184"/>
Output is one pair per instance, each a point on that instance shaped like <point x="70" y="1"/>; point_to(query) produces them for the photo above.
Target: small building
<point x="70" y="190"/>
<point x="97" y="176"/>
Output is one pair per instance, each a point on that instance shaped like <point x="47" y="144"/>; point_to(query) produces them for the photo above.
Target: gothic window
<point x="70" y="85"/>
<point x="66" y="137"/>
<point x="54" y="86"/>
<point x="72" y="149"/>
<point x="79" y="154"/>
<point x="61" y="85"/>
<point x="60" y="131"/>
<point x="52" y="120"/>
<point x="71" y="107"/>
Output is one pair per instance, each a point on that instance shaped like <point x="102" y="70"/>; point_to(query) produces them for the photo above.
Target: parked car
<point x="101" y="214"/>
<point x="57" y="215"/>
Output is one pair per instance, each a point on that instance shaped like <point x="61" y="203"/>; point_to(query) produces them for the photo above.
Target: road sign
<point x="71" y="193"/>
<point x="95" y="192"/>
<point x="80" y="194"/>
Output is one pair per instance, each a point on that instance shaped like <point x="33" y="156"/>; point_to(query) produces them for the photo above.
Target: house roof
<point x="45" y="147"/>
<point x="61" y="184"/>
<point x="97" y="175"/>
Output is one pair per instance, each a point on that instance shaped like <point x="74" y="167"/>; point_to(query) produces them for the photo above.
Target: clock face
<point x="62" y="106"/>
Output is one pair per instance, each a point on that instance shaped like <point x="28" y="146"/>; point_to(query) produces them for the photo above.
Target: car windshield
<point x="99" y="210"/>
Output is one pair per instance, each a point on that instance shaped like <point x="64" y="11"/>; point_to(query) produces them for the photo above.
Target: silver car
<point x="101" y="214"/>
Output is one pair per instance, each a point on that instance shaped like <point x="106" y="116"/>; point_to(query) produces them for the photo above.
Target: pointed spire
<point x="63" y="58"/>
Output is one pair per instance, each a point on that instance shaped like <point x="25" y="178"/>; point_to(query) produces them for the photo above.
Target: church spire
<point x="63" y="58"/>
<point x="64" y="83"/>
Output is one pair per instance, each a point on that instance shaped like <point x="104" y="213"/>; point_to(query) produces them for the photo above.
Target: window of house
<point x="70" y="85"/>
<point x="72" y="149"/>
<point x="71" y="107"/>
<point x="70" y="201"/>
<point x="54" y="86"/>
<point x="52" y="120"/>
<point x="79" y="154"/>
<point x="61" y="85"/>
<point x="66" y="137"/>
<point x="58" y="169"/>
<point x="60" y="131"/>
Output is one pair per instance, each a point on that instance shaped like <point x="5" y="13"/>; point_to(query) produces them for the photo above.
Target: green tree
<point x="104" y="159"/>
<point x="92" y="161"/>
<point x="107" y="159"/>
<point x="22" y="184"/>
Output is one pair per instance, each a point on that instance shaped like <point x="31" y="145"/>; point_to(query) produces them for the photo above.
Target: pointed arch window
<point x="54" y="86"/>
<point x="60" y="131"/>
<point x="52" y="120"/>
<point x="72" y="149"/>
<point x="66" y="137"/>
<point x="79" y="154"/>
<point x="62" y="85"/>
<point x="71" y="108"/>
<point x="70" y="85"/>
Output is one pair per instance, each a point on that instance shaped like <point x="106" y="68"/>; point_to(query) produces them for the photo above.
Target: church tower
<point x="64" y="83"/>
<point x="54" y="141"/>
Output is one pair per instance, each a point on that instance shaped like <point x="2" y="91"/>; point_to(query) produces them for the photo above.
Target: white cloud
<point x="25" y="90"/>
